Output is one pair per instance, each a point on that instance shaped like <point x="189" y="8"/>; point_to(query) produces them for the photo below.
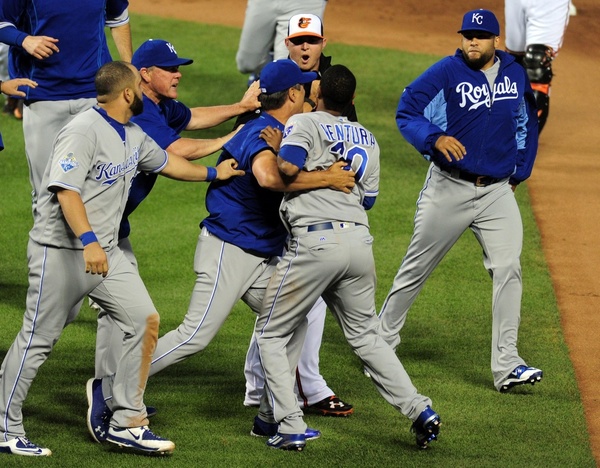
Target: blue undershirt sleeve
<point x="293" y="154"/>
<point x="368" y="202"/>
<point x="12" y="36"/>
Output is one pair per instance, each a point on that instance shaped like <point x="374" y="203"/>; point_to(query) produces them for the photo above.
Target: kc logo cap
<point x="480" y="20"/>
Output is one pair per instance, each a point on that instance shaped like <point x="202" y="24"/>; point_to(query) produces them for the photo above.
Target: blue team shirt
<point x="241" y="211"/>
<point x="498" y="126"/>
<point x="163" y="122"/>
<point x="79" y="27"/>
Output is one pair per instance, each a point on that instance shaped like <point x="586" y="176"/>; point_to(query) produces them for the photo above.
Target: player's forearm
<point x="308" y="180"/>
<point x="302" y="181"/>
<point x="207" y="117"/>
<point x="179" y="168"/>
<point x="122" y="37"/>
<point x="74" y="211"/>
<point x="192" y="148"/>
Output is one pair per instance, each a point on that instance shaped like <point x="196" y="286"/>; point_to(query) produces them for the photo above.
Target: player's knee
<point x="506" y="271"/>
<point x="538" y="63"/>
<point x="245" y="64"/>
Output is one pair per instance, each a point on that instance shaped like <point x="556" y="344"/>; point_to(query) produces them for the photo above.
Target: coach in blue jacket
<point x="473" y="116"/>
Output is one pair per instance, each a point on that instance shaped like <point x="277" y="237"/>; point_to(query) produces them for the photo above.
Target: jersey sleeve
<point x="421" y="111"/>
<point x="297" y="140"/>
<point x="117" y="13"/>
<point x="371" y="179"/>
<point x="152" y="158"/>
<point x="164" y="123"/>
<point x="526" y="136"/>
<point x="71" y="160"/>
<point x="10" y="11"/>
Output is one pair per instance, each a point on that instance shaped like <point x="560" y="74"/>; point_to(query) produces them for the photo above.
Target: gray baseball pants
<point x="445" y="209"/>
<point x="51" y="297"/>
<point x="224" y="274"/>
<point x="342" y="271"/>
<point x="42" y="120"/>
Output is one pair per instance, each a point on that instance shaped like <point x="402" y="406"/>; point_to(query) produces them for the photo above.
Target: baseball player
<point x="534" y="34"/>
<point x="242" y="237"/>
<point x="163" y="118"/>
<point x="305" y="43"/>
<point x="472" y="115"/>
<point x="265" y="27"/>
<point x="73" y="252"/>
<point x="329" y="255"/>
<point x="62" y="54"/>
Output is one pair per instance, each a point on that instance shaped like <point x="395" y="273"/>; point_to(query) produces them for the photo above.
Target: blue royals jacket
<point x="499" y="129"/>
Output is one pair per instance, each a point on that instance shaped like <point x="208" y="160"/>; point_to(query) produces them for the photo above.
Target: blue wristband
<point x="88" y="237"/>
<point x="211" y="174"/>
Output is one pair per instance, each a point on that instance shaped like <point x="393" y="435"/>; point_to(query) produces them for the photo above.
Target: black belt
<point x="477" y="180"/>
<point x="326" y="226"/>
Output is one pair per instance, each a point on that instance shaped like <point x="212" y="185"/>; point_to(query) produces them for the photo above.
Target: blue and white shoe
<point x="23" y="446"/>
<point x="151" y="411"/>
<point x="98" y="414"/>
<point x="140" y="438"/>
<point x="265" y="429"/>
<point x="520" y="376"/>
<point x="295" y="442"/>
<point x="426" y="427"/>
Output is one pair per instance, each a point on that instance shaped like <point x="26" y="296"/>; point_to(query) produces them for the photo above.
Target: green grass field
<point x="446" y="341"/>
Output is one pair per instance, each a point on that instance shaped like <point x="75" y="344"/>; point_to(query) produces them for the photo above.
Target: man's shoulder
<point x="86" y="121"/>
<point x="324" y="63"/>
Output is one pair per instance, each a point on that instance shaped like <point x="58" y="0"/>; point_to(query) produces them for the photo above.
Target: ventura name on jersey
<point x="348" y="132"/>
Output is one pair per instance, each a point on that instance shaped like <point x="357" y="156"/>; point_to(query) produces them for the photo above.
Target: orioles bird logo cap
<point x="305" y="25"/>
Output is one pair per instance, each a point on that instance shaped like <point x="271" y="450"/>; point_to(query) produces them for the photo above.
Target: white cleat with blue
<point x="140" y="438"/>
<point x="23" y="446"/>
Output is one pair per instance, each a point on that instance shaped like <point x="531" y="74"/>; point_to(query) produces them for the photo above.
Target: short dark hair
<point x="113" y="77"/>
<point x="275" y="100"/>
<point x="338" y="85"/>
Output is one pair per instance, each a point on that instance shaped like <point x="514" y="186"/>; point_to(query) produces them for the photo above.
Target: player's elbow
<point x="270" y="181"/>
<point x="246" y="63"/>
<point x="286" y="168"/>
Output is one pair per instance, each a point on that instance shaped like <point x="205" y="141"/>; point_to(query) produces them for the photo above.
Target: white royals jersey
<point x="328" y="139"/>
<point x="91" y="158"/>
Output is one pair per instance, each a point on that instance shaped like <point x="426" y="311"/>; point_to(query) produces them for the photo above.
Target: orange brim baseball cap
<point x="305" y="25"/>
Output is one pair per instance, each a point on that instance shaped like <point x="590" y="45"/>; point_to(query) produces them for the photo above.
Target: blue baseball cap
<point x="157" y="53"/>
<point x="480" y="20"/>
<point x="283" y="74"/>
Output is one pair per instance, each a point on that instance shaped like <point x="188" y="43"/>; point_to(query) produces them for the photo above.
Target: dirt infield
<point x="563" y="186"/>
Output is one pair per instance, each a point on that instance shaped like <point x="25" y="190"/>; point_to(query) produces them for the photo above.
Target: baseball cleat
<point x="331" y="406"/>
<point x="140" y="438"/>
<point x="265" y="429"/>
<point x="520" y="376"/>
<point x="151" y="411"/>
<point x="295" y="442"/>
<point x="426" y="427"/>
<point x="23" y="446"/>
<point x="98" y="414"/>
